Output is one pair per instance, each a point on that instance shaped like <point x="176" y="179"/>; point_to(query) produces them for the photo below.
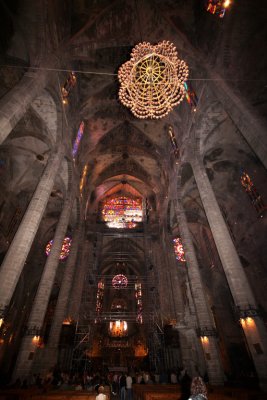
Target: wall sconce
<point x="36" y="339"/>
<point x="204" y="339"/>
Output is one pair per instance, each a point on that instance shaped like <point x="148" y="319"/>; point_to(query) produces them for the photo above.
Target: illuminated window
<point x="139" y="304"/>
<point x="122" y="212"/>
<point x="119" y="281"/>
<point x="69" y="83"/>
<point x="65" y="250"/>
<point x="178" y="249"/>
<point x="78" y="139"/>
<point x="191" y="96"/>
<point x="99" y="297"/>
<point x="218" y="7"/>
<point x="253" y="193"/>
<point x="83" y="178"/>
<point x="173" y="141"/>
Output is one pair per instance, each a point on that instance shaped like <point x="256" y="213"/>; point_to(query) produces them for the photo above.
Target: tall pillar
<point x="252" y="324"/>
<point x="16" y="102"/>
<point x="18" y="251"/>
<point x="175" y="288"/>
<point x="36" y="319"/>
<point x="207" y="331"/>
<point x="79" y="279"/>
<point x="49" y="358"/>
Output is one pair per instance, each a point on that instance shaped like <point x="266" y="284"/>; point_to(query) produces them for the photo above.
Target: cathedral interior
<point x="159" y="228"/>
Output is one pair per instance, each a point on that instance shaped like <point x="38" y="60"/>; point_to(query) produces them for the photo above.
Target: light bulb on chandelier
<point x="152" y="82"/>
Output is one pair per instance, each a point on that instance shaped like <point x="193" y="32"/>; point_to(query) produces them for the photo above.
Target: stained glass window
<point x="191" y="96"/>
<point x="139" y="304"/>
<point x="83" y="178"/>
<point x="69" y="83"/>
<point x="78" y="139"/>
<point x="99" y="297"/>
<point x="253" y="193"/>
<point x="65" y="250"/>
<point x="122" y="212"/>
<point x="178" y="249"/>
<point x="173" y="141"/>
<point x="218" y="7"/>
<point x="119" y="281"/>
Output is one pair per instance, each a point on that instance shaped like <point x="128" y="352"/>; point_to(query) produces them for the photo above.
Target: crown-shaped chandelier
<point x="152" y="82"/>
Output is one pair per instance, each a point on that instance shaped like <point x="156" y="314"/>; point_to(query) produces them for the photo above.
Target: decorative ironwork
<point x="152" y="81"/>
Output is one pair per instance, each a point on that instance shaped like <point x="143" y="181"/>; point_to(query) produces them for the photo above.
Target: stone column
<point x="36" y="319"/>
<point x="175" y="287"/>
<point x="49" y="358"/>
<point x="206" y="327"/>
<point x="16" y="102"/>
<point x="253" y="327"/>
<point x="18" y="251"/>
<point x="78" y="284"/>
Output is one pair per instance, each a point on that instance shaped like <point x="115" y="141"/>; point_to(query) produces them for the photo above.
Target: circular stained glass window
<point x="65" y="250"/>
<point x="119" y="281"/>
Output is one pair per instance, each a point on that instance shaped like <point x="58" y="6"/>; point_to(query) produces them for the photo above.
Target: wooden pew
<point x="27" y="394"/>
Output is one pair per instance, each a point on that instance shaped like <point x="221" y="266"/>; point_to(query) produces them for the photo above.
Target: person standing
<point x="101" y="395"/>
<point x="123" y="387"/>
<point x="129" y="387"/>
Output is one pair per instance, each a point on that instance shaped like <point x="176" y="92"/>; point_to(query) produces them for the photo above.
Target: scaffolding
<point x="82" y="344"/>
<point x="156" y="343"/>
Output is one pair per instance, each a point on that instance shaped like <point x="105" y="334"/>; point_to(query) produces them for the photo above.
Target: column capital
<point x="32" y="330"/>
<point x="207" y="331"/>
<point x="247" y="311"/>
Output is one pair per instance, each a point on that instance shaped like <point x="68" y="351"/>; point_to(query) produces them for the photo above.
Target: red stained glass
<point x="119" y="281"/>
<point x="122" y="212"/>
<point x="65" y="250"/>
<point x="179" y="250"/>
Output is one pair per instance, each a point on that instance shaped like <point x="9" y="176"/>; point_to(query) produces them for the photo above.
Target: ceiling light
<point x="152" y="82"/>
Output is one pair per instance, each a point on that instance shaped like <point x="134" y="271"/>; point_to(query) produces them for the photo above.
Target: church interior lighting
<point x="152" y="81"/>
